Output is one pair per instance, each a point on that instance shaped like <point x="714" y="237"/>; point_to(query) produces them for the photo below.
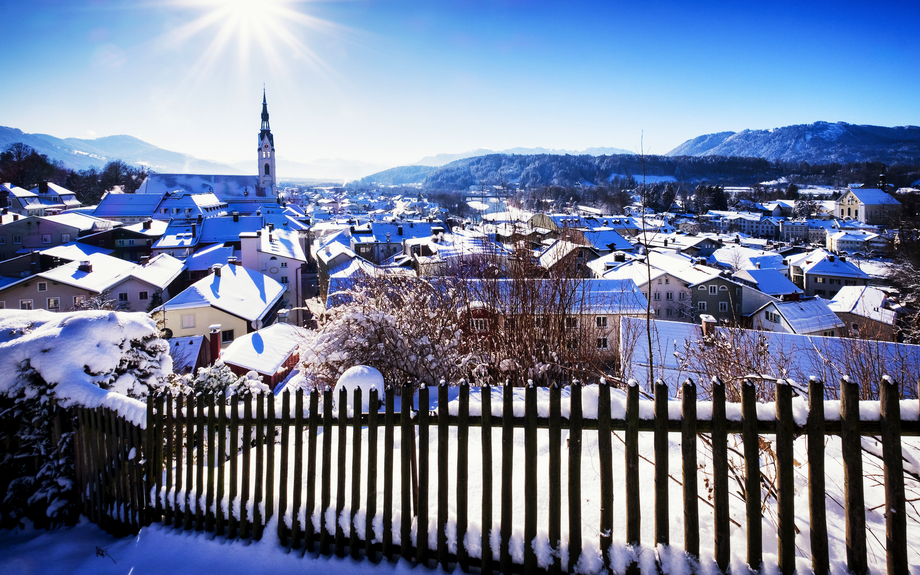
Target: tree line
<point x="22" y="166"/>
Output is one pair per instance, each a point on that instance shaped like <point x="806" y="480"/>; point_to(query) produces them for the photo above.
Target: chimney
<point x="232" y="261"/>
<point x="843" y="259"/>
<point x="271" y="228"/>
<point x="830" y="258"/>
<point x="36" y="262"/>
<point x="399" y="230"/>
<point x="708" y="324"/>
<point x="216" y="269"/>
<point x="214" y="341"/>
<point x="85" y="266"/>
<point x="283" y="315"/>
<point x="194" y="229"/>
<point x="148" y="224"/>
<point x="145" y="260"/>
<point x="758" y="265"/>
<point x="200" y="218"/>
<point x="236" y="216"/>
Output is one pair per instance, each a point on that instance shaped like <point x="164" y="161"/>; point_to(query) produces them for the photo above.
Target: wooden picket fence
<point x="198" y="451"/>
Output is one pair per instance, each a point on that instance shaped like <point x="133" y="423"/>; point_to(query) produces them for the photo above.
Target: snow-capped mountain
<point x="821" y="142"/>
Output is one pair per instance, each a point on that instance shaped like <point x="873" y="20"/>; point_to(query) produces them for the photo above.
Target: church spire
<point x="266" y="151"/>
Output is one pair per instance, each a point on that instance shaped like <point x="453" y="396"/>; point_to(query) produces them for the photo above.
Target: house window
<point x="669" y="296"/>
<point x="284" y="280"/>
<point x="46" y="238"/>
<point x="669" y="312"/>
<point x="25" y="304"/>
<point x="701" y="305"/>
<point x="571" y="322"/>
<point x="2" y="305"/>
<point x="702" y="288"/>
<point x="2" y="240"/>
<point x="479" y="324"/>
<point x="771" y="317"/>
<point x="601" y="321"/>
<point x="602" y="343"/>
<point x="226" y="336"/>
<point x="42" y="286"/>
<point x="682" y="296"/>
<point x="819" y="280"/>
<point x="667" y="281"/>
<point x="188" y="321"/>
<point x="713" y="290"/>
<point x="17" y="239"/>
<point x="819" y="292"/>
<point x="65" y="238"/>
<point x="657" y="296"/>
<point x="54" y="303"/>
<point x="78" y="300"/>
<point x="123" y="297"/>
<point x="723" y="288"/>
<point x="284" y="264"/>
<point x="142" y="296"/>
<point x="723" y="306"/>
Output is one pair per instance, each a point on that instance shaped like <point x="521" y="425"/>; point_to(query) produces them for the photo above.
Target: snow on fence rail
<point x="507" y="493"/>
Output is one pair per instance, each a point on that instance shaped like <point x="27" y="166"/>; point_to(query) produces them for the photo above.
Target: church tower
<point x="266" y="152"/>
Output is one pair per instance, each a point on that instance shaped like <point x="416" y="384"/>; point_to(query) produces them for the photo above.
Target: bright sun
<point x="273" y="29"/>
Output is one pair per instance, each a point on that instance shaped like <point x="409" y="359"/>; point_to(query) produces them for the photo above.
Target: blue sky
<point x="393" y="81"/>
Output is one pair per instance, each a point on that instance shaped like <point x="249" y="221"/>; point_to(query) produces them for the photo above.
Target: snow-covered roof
<point x="284" y="243"/>
<point x="608" y="239"/>
<point x="115" y="205"/>
<point x="768" y="281"/>
<point x="226" y="188"/>
<point x="75" y="251"/>
<point x="740" y="257"/>
<point x="225" y="229"/>
<point x="790" y="355"/>
<point x="80" y="221"/>
<point x="864" y="301"/>
<point x="558" y="250"/>
<point x="156" y="228"/>
<point x="205" y="259"/>
<point x="184" y="352"/>
<point x="873" y="196"/>
<point x="160" y="271"/>
<point x="807" y="316"/>
<point x="265" y="350"/>
<point x="238" y="291"/>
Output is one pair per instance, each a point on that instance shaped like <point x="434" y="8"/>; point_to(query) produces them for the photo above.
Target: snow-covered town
<point x="459" y="287"/>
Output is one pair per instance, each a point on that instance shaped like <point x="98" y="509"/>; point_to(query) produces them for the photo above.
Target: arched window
<point x="267" y="171"/>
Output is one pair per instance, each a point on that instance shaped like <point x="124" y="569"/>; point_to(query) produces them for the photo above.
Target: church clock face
<point x="265" y="147"/>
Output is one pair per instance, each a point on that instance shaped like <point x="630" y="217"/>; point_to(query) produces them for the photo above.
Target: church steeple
<point x="266" y="151"/>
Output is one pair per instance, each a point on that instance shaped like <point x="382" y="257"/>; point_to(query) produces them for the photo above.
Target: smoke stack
<point x="236" y="216"/>
<point x="85" y="266"/>
<point x="214" y="342"/>
<point x="216" y="269"/>
<point x="148" y="224"/>
<point x="708" y="324"/>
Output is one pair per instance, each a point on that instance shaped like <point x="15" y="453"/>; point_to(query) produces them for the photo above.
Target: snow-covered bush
<point x="219" y="378"/>
<point x="48" y="363"/>
<point x="405" y="327"/>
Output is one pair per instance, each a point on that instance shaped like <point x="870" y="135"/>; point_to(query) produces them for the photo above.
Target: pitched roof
<point x="265" y="350"/>
<point x="864" y="301"/>
<point x="873" y="196"/>
<point x="226" y="188"/>
<point x="807" y="316"/>
<point x="238" y="291"/>
<point x="768" y="281"/>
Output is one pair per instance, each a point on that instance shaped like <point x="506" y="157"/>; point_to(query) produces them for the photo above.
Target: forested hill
<point x="552" y="170"/>
<point x="820" y="142"/>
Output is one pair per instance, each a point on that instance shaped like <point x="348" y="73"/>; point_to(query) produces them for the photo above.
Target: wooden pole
<point x="662" y="536"/>
<point x="507" y="474"/>
<point x="443" y="439"/>
<point x="180" y="448"/>
<point x="689" y="470"/>
<point x="785" y="478"/>
<point x="388" y="439"/>
<point x="817" y="491"/>
<point x="341" y="468"/>
<point x="721" y="525"/>
<point x="259" y="486"/>
<point x="892" y="456"/>
<point x="854" y="500"/>
<point x="326" y="478"/>
<point x="530" y="477"/>
<point x="355" y="473"/>
<point x="312" y="437"/>
<point x="297" y="494"/>
<point x="421" y="537"/>
<point x="244" y="474"/>
<point x="605" y="456"/>
<point x="406" y="436"/>
<point x="554" y="529"/>
<point x="463" y="484"/>
<point x="575" y="431"/>
<point x="751" y="476"/>
<point x="370" y="536"/>
<point x="631" y="453"/>
<point x="485" y="392"/>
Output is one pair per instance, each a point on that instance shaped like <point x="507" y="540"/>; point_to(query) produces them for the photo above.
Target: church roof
<point x="226" y="188"/>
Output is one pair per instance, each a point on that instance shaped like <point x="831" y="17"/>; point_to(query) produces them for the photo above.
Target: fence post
<point x="355" y="471"/>
<point x="895" y="518"/>
<point x="297" y="495"/>
<point x="605" y="455"/>
<point x="662" y="536"/>
<point x="170" y="451"/>
<point x="854" y="499"/>
<point x="689" y="470"/>
<point x="340" y="475"/>
<point x="148" y="455"/>
<point x="406" y="436"/>
<point x="221" y="458"/>
<point x="631" y="453"/>
<point x="283" y="471"/>
<point x="326" y="478"/>
<point x="485" y="393"/>
<point x="443" y="437"/>
<point x="259" y="487"/>
<point x="530" y="477"/>
<point x="310" y="504"/>
<point x="507" y="471"/>
<point x="421" y="530"/>
<point x="389" y="422"/>
<point x="751" y="475"/>
<point x="244" y="474"/>
<point x="785" y="478"/>
<point x="369" y="534"/>
<point x="159" y="423"/>
<point x="463" y="455"/>
<point x="211" y="515"/>
<point x="575" y="428"/>
<point x="820" y="562"/>
<point x="555" y="476"/>
<point x="180" y="439"/>
<point x="270" y="461"/>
